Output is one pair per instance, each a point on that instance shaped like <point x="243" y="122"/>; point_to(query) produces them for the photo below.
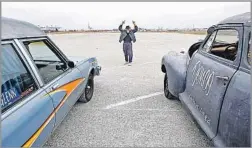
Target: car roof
<point x="243" y="18"/>
<point x="12" y="28"/>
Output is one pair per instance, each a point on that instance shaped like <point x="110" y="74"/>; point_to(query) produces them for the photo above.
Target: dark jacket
<point x="124" y="34"/>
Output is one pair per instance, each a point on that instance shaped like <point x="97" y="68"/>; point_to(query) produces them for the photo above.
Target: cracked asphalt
<point x="147" y="122"/>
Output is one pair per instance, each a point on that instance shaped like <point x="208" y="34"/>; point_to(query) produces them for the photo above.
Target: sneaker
<point x="129" y="64"/>
<point x="126" y="63"/>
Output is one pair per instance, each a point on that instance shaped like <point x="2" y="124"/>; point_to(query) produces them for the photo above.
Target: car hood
<point x="78" y="59"/>
<point x="176" y="53"/>
<point x="180" y="56"/>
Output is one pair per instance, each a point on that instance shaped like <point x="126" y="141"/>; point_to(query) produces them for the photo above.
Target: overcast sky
<point x="101" y="15"/>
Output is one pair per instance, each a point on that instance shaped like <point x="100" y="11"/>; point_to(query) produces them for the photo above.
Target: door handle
<point x="55" y="86"/>
<point x="226" y="78"/>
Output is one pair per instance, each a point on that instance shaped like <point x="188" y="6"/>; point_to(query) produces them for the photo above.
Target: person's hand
<point x="123" y="22"/>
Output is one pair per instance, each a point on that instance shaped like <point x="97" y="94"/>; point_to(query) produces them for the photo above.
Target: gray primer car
<point x="212" y="80"/>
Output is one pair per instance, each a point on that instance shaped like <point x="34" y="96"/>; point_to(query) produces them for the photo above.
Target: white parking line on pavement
<point x="133" y="100"/>
<point x="132" y="65"/>
<point x="148" y="63"/>
<point x="135" y="109"/>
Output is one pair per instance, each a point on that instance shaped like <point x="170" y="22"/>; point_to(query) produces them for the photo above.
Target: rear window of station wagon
<point x="17" y="83"/>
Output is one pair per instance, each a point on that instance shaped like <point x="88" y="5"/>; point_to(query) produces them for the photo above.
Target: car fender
<point x="86" y="65"/>
<point x="175" y="67"/>
<point x="94" y="68"/>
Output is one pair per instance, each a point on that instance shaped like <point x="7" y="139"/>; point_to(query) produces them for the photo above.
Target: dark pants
<point x="128" y="53"/>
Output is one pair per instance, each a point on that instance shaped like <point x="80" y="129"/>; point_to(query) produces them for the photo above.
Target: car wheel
<point x="167" y="93"/>
<point x="89" y="90"/>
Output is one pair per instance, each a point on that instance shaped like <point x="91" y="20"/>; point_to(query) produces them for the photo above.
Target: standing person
<point x="128" y="36"/>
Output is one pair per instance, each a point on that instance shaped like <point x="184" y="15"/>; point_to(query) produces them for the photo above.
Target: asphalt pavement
<point x="128" y="108"/>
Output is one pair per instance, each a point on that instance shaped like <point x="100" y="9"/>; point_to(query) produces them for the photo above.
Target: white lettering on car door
<point x="203" y="77"/>
<point x="206" y="118"/>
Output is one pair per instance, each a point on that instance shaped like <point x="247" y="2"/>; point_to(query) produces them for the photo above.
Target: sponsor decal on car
<point x="9" y="96"/>
<point x="203" y="77"/>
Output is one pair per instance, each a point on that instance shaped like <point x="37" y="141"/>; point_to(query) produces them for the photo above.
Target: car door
<point x="234" y="124"/>
<point x="209" y="73"/>
<point x="62" y="83"/>
<point x="26" y="109"/>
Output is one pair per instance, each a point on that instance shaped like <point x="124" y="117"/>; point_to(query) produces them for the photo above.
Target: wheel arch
<point x="92" y="71"/>
<point x="175" y="69"/>
<point x="163" y="68"/>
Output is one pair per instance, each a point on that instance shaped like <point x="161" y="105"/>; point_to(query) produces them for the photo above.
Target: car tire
<point x="167" y="93"/>
<point x="89" y="90"/>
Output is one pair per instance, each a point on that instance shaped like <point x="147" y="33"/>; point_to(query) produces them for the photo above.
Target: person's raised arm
<point x="120" y="26"/>
<point x="135" y="27"/>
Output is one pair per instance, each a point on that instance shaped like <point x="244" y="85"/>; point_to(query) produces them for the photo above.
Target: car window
<point x="225" y="44"/>
<point x="48" y="63"/>
<point x="17" y="83"/>
<point x="209" y="42"/>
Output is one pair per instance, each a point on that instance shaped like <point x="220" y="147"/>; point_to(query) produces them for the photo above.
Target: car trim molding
<point x="69" y="87"/>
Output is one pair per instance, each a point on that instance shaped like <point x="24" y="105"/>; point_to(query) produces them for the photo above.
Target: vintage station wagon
<point x="213" y="82"/>
<point x="39" y="84"/>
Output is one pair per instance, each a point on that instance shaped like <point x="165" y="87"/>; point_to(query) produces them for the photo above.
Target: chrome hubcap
<point x="89" y="89"/>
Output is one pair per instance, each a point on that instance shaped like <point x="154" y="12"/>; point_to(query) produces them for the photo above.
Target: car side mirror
<point x="61" y="66"/>
<point x="70" y="64"/>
